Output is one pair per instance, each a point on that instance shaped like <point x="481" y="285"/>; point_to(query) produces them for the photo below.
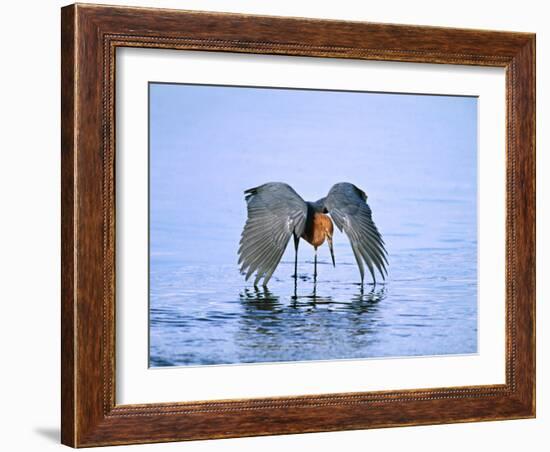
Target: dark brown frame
<point x="90" y="34"/>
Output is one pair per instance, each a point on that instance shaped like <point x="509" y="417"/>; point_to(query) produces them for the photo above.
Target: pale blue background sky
<point x="208" y="144"/>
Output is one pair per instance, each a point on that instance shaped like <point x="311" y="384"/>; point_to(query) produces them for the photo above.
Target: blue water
<point x="415" y="156"/>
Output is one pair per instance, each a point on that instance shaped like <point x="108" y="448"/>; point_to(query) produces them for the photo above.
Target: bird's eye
<point x="325" y="210"/>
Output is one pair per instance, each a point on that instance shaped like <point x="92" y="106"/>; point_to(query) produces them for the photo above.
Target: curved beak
<point x="329" y="241"/>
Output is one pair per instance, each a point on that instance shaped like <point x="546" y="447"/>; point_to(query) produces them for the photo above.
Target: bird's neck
<point x="317" y="228"/>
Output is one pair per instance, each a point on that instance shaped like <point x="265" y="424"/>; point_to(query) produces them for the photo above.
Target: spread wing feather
<point x="275" y="213"/>
<point x="347" y="205"/>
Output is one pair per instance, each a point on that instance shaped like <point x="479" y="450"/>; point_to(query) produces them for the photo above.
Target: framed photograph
<point x="280" y="225"/>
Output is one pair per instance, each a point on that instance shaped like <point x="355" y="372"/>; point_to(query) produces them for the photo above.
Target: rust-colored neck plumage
<point x="317" y="229"/>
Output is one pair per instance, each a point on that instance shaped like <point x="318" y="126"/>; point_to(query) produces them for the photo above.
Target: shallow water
<point x="415" y="156"/>
<point x="205" y="314"/>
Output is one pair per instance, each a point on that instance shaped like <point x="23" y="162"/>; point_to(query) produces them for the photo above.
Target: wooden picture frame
<point x="90" y="36"/>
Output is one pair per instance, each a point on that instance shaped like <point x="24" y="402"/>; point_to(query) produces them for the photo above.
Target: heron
<point x="275" y="213"/>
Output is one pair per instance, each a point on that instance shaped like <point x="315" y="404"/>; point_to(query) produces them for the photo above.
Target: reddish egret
<point x="276" y="213"/>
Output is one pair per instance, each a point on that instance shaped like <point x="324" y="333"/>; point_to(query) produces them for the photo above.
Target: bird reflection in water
<point x="362" y="301"/>
<point x="317" y="324"/>
<point x="261" y="298"/>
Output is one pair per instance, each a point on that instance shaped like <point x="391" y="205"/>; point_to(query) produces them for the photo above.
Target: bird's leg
<point x="315" y="267"/>
<point x="314" y="294"/>
<point x="296" y="243"/>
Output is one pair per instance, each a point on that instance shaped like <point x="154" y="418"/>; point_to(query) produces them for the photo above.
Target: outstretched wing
<point x="275" y="212"/>
<point x="347" y="205"/>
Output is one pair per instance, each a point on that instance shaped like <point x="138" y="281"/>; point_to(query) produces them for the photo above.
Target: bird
<point x="275" y="213"/>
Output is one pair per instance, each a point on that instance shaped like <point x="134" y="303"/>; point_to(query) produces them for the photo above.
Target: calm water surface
<point x="415" y="156"/>
<point x="205" y="313"/>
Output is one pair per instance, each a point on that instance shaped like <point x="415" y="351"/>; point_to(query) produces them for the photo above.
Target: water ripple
<point x="205" y="314"/>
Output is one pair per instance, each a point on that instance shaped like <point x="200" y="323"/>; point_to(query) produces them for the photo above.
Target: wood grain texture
<point x="90" y="36"/>
<point x="67" y="226"/>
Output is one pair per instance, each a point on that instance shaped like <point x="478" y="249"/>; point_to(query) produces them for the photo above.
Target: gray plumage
<point x="276" y="213"/>
<point x="347" y="205"/>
